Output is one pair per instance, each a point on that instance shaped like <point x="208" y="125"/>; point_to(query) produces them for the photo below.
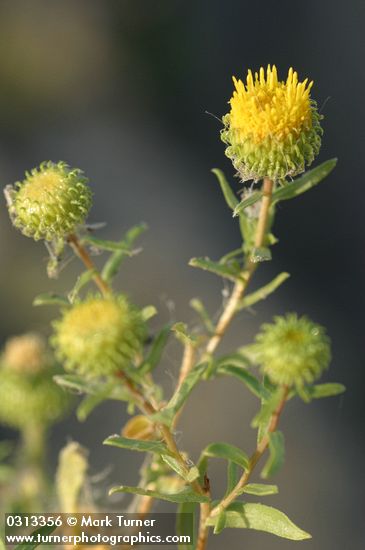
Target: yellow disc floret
<point x="272" y="129"/>
<point x="50" y="202"/>
<point x="99" y="336"/>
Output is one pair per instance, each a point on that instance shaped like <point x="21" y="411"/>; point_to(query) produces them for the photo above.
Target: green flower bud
<point x="99" y="336"/>
<point x="273" y="128"/>
<point x="28" y="400"/>
<point x="50" y="202"/>
<point x="292" y="351"/>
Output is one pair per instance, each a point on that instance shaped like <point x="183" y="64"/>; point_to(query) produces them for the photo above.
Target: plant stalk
<point x="84" y="256"/>
<point x="226" y="317"/>
<point x="260" y="450"/>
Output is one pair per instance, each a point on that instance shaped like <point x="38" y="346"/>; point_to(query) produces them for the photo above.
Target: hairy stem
<point x="259" y="451"/>
<point x="167" y="435"/>
<point x="228" y="314"/>
<point x="84" y="256"/>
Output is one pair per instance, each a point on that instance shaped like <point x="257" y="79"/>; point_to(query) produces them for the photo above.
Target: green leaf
<point x="263" y="292"/>
<point x="229" y="195"/>
<point x="260" y="489"/>
<point x="260" y="254"/>
<point x="326" y="390"/>
<point x="277" y="455"/>
<point x="113" y="264"/>
<point x="232" y="478"/>
<point x="82" y="280"/>
<point x="247" y="515"/>
<point x="91" y="401"/>
<point x="137" y="445"/>
<point x="2" y="545"/>
<point x="103" y="244"/>
<point x="167" y="414"/>
<point x="186" y="495"/>
<point x="181" y="333"/>
<point x="305" y="182"/>
<point x="250" y="381"/>
<point x="225" y="271"/>
<point x="154" y="355"/>
<point x="227" y="452"/>
<point x="220" y="523"/>
<point x="249" y="201"/>
<point x="50" y="299"/>
<point x="188" y="474"/>
<point x="74" y="383"/>
<point x="262" y="419"/>
<point x="199" y="307"/>
<point x="42" y="531"/>
<point x="186" y="524"/>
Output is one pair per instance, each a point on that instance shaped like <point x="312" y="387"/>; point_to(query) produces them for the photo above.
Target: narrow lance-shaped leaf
<point x="186" y="495"/>
<point x="82" y="280"/>
<point x="199" y="307"/>
<point x="268" y="406"/>
<point x="260" y="254"/>
<point x="232" y="477"/>
<point x="103" y="244"/>
<point x="250" y="381"/>
<point x="181" y="333"/>
<point x="154" y="355"/>
<point x="113" y="264"/>
<point x="242" y="515"/>
<point x="305" y="182"/>
<point x="227" y="272"/>
<point x="220" y="523"/>
<point x="326" y="390"/>
<point x="74" y="383"/>
<point x="167" y="414"/>
<point x="189" y="474"/>
<point x="50" y="299"/>
<point x="137" y="445"/>
<point x="229" y="195"/>
<point x="260" y="489"/>
<point x="91" y="401"/>
<point x="227" y="452"/>
<point x="248" y="201"/>
<point x="263" y="292"/>
<point x="276" y="456"/>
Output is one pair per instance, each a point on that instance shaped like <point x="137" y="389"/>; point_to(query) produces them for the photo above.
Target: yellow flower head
<point x="293" y="350"/>
<point x="50" y="202"/>
<point x="272" y="129"/>
<point x="99" y="336"/>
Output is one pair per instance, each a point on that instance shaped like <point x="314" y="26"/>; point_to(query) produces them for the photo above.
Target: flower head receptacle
<point x="100" y="336"/>
<point x="50" y="202"/>
<point x="293" y="350"/>
<point x="273" y="128"/>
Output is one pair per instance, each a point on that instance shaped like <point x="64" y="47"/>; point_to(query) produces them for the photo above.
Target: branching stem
<point x="259" y="451"/>
<point x="84" y="256"/>
<point x="228" y="314"/>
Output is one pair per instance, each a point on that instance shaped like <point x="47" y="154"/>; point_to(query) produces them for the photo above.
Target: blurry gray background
<point x="120" y="89"/>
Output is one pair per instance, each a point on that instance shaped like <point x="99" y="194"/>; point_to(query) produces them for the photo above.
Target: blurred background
<point x="122" y="89"/>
